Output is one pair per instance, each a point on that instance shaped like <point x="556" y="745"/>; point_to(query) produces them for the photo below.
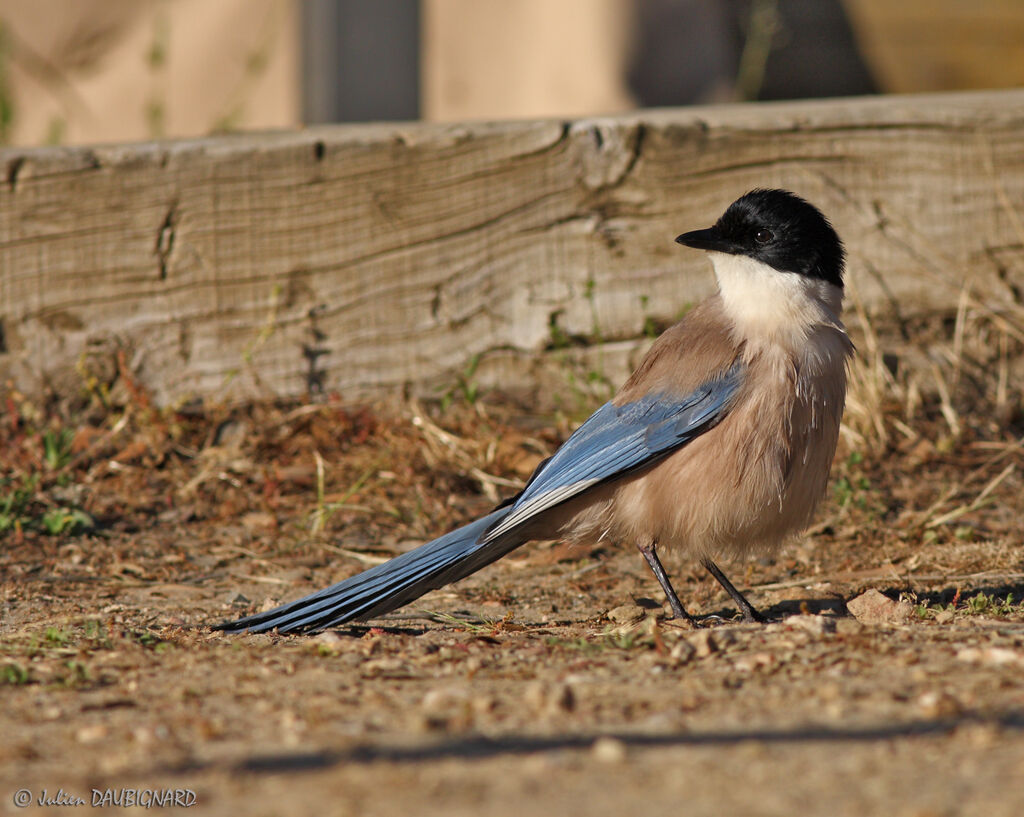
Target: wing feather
<point x="616" y="440"/>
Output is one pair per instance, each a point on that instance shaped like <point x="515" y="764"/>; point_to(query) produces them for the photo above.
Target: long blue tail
<point x="387" y="586"/>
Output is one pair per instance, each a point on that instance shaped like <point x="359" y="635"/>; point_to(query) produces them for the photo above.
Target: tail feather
<point x="387" y="586"/>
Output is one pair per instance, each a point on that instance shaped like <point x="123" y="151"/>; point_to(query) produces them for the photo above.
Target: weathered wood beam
<point x="367" y="259"/>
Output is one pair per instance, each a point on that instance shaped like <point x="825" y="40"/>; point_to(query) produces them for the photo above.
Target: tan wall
<point x="530" y="58"/>
<point x="538" y="58"/>
<point x="84" y="71"/>
<point x="941" y="45"/>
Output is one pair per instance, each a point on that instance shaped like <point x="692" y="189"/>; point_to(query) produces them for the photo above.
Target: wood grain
<point x="364" y="260"/>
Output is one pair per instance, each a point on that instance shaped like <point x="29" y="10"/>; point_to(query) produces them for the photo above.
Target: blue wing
<point x="618" y="439"/>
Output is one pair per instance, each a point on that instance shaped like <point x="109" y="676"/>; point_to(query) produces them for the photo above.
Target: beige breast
<point x="749" y="482"/>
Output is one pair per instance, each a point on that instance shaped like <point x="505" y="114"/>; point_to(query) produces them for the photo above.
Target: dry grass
<point x="930" y="454"/>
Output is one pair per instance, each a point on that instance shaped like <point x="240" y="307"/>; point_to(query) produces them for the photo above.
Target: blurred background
<point x="76" y="71"/>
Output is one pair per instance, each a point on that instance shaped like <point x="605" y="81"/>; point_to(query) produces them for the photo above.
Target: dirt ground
<point x="549" y="683"/>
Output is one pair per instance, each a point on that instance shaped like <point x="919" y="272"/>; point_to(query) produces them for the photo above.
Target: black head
<point x="779" y="229"/>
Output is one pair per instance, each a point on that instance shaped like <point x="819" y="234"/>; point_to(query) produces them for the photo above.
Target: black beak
<point x="709" y="239"/>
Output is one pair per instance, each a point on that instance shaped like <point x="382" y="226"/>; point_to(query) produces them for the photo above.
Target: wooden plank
<point x="368" y="259"/>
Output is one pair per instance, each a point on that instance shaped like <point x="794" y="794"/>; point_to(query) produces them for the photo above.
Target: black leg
<point x="651" y="555"/>
<point x="749" y="613"/>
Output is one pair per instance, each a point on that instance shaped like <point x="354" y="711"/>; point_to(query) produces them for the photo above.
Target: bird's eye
<point x="763" y="236"/>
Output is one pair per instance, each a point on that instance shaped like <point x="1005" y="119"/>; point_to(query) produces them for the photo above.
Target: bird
<point x="718" y="444"/>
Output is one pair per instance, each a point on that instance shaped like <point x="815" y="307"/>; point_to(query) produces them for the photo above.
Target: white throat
<point x="765" y="304"/>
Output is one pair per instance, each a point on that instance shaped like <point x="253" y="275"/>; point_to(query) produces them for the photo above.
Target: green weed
<point x="478" y="625"/>
<point x="24" y="504"/>
<point x="980" y="604"/>
<point x="65" y="520"/>
<point x="854" y="491"/>
<point x="986" y="605"/>
<point x="559" y="338"/>
<point x="465" y="385"/>
<point x="57" y="448"/>
<point x="77" y="674"/>
<point x="575" y="644"/>
<point x="16" y="498"/>
<point x="13" y="675"/>
<point x="56" y="637"/>
<point x="152" y="641"/>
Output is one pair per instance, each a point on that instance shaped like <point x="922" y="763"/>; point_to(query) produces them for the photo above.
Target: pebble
<point x="873" y="607"/>
<point x="848" y="626"/>
<point x="755" y="662"/>
<point x="387" y="667"/>
<point x="259" y="521"/>
<point x="441" y="700"/>
<point x="980" y="735"/>
<point x="937" y="704"/>
<point x="627" y="614"/>
<point x="549" y="699"/>
<point x="91" y="733"/>
<point x="706" y="642"/>
<point x="992" y="656"/>
<point x="328" y="642"/>
<point x="815" y="625"/>
<point x="608" y="750"/>
<point x="682" y="652"/>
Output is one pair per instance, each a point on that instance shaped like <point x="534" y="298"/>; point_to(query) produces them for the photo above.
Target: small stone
<point x="442" y="700"/>
<point x="627" y="614"/>
<point x="704" y="642"/>
<point x="268" y="603"/>
<point x="371" y="644"/>
<point x="980" y="735"/>
<point x="755" y="662"/>
<point x="815" y="625"/>
<point x="682" y="652"/>
<point x="259" y="521"/>
<point x="726" y="637"/>
<point x="563" y="698"/>
<point x="991" y="656"/>
<point x="484" y="704"/>
<point x="91" y="733"/>
<point x="327" y="643"/>
<point x="143" y="735"/>
<point x="873" y="607"/>
<point x="386" y="668"/>
<point x="608" y="750"/>
<point x="936" y="704"/>
<point x="830" y="691"/>
<point x="549" y="699"/>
